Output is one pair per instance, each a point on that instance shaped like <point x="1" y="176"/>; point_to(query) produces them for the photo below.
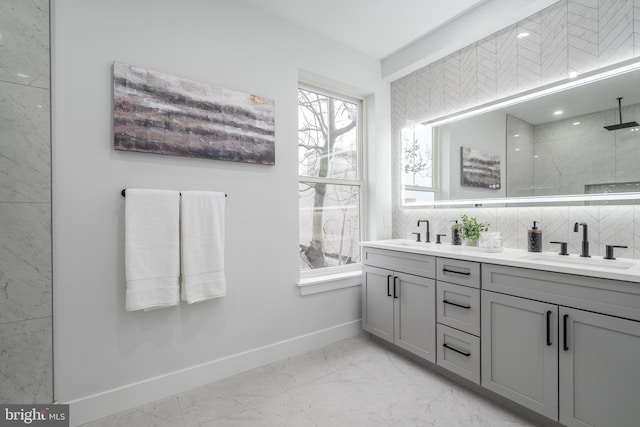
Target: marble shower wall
<point x="25" y="204"/>
<point x="568" y="36"/>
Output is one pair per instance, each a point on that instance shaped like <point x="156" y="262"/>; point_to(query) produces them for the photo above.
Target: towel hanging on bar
<point x="124" y="191"/>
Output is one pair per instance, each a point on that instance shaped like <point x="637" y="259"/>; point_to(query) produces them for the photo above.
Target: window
<point x="418" y="183"/>
<point x="330" y="179"/>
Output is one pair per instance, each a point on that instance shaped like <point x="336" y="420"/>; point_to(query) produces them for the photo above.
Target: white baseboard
<point x="94" y="407"/>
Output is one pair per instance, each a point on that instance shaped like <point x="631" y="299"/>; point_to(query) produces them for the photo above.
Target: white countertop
<point x="619" y="269"/>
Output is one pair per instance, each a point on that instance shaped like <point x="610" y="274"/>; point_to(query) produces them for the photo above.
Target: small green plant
<point x="469" y="227"/>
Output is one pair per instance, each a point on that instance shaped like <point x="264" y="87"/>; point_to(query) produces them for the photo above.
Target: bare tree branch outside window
<point x="327" y="153"/>
<point x="417" y="156"/>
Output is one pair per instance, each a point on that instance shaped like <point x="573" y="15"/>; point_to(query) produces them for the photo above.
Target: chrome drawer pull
<point x="467" y="307"/>
<point x="465" y="354"/>
<point x="468" y="273"/>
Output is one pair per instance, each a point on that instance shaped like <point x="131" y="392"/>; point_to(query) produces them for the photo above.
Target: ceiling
<point x="377" y="28"/>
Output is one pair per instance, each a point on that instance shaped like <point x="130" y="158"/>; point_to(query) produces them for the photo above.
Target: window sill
<point x="329" y="282"/>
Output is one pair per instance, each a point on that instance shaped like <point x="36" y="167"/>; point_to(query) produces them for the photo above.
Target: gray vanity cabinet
<point x="377" y="302"/>
<point x="520" y="351"/>
<point x="563" y="332"/>
<point x="599" y="370"/>
<point x="397" y="306"/>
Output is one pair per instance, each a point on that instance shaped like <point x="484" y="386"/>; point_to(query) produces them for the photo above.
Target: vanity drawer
<point x="465" y="273"/>
<point x="458" y="307"/>
<point x="606" y="296"/>
<point x="405" y="262"/>
<point x="458" y="352"/>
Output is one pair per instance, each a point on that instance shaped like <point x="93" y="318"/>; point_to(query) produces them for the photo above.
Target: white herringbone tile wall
<point x="568" y="36"/>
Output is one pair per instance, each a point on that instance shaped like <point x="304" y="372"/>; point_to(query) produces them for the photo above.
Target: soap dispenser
<point x="455" y="233"/>
<point x="534" y="238"/>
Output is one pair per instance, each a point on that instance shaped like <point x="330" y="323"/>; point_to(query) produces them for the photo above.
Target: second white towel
<point x="202" y="238"/>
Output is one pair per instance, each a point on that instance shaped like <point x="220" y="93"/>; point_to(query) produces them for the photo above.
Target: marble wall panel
<point x="424" y="93"/>
<point x="487" y="79"/>
<point x="529" y="53"/>
<point x="25" y="163"/>
<point x="468" y="77"/>
<point x="555" y="227"/>
<point x="24" y="46"/>
<point x="26" y="368"/>
<point x="582" y="35"/>
<point x="636" y="27"/>
<point x="554" y="54"/>
<point x="25" y="261"/>
<point x="452" y="82"/>
<point x="438" y="105"/>
<point x="507" y="61"/>
<point x="615" y="31"/>
<point x="26" y="362"/>
<point x="615" y="227"/>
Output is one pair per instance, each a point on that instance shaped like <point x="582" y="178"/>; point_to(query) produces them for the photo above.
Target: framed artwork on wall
<point x="479" y="169"/>
<point x="159" y="113"/>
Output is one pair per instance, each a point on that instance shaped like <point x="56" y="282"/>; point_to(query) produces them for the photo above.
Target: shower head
<point x="621" y="125"/>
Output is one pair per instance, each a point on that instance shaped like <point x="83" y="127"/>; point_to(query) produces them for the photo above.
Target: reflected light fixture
<point x="557" y="113"/>
<point x="523" y="35"/>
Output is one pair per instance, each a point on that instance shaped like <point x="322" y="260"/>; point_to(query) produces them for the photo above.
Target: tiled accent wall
<point x="25" y="204"/>
<point x="568" y="36"/>
<point x="608" y="225"/>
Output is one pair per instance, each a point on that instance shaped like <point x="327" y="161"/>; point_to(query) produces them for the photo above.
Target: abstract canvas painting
<point x="479" y="169"/>
<point x="158" y="113"/>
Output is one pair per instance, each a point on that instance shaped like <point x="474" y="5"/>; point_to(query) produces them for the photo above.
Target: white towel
<point x="152" y="248"/>
<point x="202" y="236"/>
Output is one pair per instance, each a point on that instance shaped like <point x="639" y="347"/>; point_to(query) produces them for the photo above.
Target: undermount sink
<point x="580" y="262"/>
<point x="406" y="242"/>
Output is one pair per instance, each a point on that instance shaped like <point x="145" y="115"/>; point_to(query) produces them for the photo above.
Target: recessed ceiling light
<point x="536" y="156"/>
<point x="557" y="113"/>
<point x="523" y="34"/>
<point x="576" y="123"/>
<point x="573" y="74"/>
<point x="517" y="149"/>
<point x="516" y="135"/>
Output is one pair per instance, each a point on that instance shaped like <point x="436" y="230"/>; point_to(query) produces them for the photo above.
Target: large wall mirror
<point x="568" y="143"/>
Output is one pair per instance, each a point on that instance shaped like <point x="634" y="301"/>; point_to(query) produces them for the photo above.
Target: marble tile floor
<point x="355" y="382"/>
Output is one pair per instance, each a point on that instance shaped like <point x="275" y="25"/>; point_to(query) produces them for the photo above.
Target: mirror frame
<point x="560" y="86"/>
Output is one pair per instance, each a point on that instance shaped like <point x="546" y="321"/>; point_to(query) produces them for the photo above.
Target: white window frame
<point x="338" y="277"/>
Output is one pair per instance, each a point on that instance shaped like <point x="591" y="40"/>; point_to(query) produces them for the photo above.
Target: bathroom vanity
<point x="559" y="335"/>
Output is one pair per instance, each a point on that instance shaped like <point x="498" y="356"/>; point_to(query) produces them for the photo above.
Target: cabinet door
<point x="599" y="370"/>
<point x="377" y="302"/>
<point x="520" y="351"/>
<point x="415" y="314"/>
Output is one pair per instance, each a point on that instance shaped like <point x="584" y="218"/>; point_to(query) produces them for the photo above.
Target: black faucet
<point x="585" y="239"/>
<point x="427" y="237"/>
